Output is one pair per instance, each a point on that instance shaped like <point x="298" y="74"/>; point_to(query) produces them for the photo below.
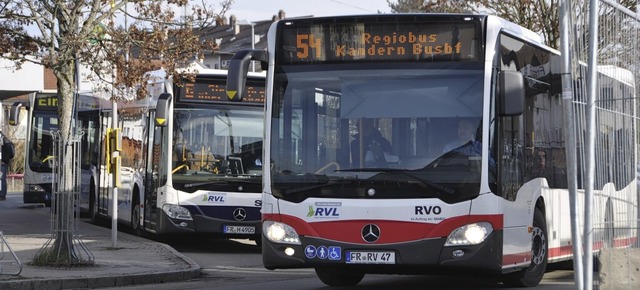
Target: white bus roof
<point x="623" y="75"/>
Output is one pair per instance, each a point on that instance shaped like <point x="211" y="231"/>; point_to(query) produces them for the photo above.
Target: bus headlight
<point x="471" y="234"/>
<point x="280" y="233"/>
<point x="177" y="212"/>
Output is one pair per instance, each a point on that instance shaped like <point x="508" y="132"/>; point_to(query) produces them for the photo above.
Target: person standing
<point x="7" y="151"/>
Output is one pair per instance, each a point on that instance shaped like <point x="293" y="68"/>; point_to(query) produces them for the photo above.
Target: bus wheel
<point x="135" y="219"/>
<point x="532" y="275"/>
<point x="609" y="233"/>
<point x="93" y="208"/>
<point x="337" y="277"/>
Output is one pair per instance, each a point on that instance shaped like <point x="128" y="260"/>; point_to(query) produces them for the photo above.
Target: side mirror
<point x="511" y="93"/>
<point x="162" y="109"/>
<point x="14" y="113"/>
<point x="238" y="69"/>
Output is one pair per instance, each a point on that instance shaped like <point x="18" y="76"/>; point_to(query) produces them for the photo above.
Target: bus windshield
<point x="408" y="132"/>
<point x="40" y="157"/>
<point x="215" y="146"/>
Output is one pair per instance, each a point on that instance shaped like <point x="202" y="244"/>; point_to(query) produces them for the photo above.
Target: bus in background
<point x="422" y="144"/>
<point x="190" y="157"/>
<point x="42" y="124"/>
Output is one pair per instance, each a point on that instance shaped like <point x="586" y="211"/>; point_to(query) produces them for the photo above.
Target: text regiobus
<point x="400" y="202"/>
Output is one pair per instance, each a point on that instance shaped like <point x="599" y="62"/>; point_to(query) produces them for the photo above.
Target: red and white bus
<point x="419" y="144"/>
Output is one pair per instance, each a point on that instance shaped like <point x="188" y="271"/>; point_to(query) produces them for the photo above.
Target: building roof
<point x="231" y="37"/>
<point x="235" y="37"/>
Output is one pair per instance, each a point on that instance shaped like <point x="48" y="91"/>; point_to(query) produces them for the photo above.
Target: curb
<point x="193" y="270"/>
<point x="96" y="282"/>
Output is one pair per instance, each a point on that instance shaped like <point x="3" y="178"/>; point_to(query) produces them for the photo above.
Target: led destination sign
<point x="46" y="102"/>
<point x="404" y="41"/>
<point x="50" y="102"/>
<point x="206" y="91"/>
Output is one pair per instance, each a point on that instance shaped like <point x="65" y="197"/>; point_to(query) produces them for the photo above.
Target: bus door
<point x="156" y="167"/>
<point x="102" y="198"/>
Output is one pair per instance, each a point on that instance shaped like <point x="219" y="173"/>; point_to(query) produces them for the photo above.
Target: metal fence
<point x="606" y="111"/>
<point x="65" y="248"/>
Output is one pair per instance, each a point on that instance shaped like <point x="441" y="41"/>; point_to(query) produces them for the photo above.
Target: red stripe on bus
<point x="597" y="245"/>
<point x="560" y="251"/>
<point x="517" y="258"/>
<point x="350" y="231"/>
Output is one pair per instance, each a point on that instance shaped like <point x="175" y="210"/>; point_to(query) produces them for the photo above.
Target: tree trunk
<point x="61" y="251"/>
<point x="66" y="100"/>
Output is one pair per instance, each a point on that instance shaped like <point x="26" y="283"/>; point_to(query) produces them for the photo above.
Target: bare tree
<point x="540" y="16"/>
<point x="406" y="6"/>
<point x="62" y="34"/>
<point x="438" y="6"/>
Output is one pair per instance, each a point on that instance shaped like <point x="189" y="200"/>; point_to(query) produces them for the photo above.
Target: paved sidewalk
<point x="27" y="228"/>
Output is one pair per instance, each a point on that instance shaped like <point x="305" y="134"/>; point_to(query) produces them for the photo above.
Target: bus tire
<point x="532" y="275"/>
<point x="93" y="206"/>
<point x="609" y="231"/>
<point x="336" y="277"/>
<point x="135" y="216"/>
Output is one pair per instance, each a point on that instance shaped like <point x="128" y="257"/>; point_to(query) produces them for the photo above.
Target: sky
<point x="256" y="10"/>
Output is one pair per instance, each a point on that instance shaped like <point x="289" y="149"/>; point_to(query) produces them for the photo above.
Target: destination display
<point x="372" y="41"/>
<point x="50" y="102"/>
<point x="209" y="90"/>
<point x="46" y="102"/>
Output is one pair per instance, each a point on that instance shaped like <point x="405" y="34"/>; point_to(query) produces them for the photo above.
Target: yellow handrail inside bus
<point x="48" y="158"/>
<point x="180" y="167"/>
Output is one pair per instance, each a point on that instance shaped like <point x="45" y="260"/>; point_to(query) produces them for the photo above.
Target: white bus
<point x="360" y="115"/>
<point x="42" y="124"/>
<point x="190" y="158"/>
<point x="210" y="184"/>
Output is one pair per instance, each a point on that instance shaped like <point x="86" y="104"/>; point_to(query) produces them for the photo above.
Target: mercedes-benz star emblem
<point x="370" y="233"/>
<point x="239" y="214"/>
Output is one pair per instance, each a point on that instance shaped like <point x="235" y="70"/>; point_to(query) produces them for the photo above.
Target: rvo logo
<point x="426" y="210"/>
<point x="323" y="212"/>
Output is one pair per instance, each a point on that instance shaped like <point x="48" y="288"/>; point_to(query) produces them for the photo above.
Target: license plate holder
<point x="241" y="230"/>
<point x="370" y="257"/>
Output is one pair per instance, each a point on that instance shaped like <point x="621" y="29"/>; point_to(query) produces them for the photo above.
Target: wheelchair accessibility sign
<point x="332" y="253"/>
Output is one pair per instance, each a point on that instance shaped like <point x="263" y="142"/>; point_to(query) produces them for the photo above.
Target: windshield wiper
<point x="428" y="182"/>
<point x="406" y="172"/>
<point x="221" y="181"/>
<point x="289" y="191"/>
<point x="370" y="169"/>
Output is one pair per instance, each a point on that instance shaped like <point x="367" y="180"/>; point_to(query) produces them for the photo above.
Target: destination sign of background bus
<point x="206" y="91"/>
<point x="377" y="42"/>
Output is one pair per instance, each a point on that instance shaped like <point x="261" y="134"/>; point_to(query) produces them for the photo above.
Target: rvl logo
<point x="323" y="212"/>
<point x="213" y="198"/>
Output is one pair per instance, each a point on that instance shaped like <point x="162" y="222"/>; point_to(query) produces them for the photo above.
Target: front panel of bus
<point x="376" y="148"/>
<point x="215" y="160"/>
<point x="40" y="159"/>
